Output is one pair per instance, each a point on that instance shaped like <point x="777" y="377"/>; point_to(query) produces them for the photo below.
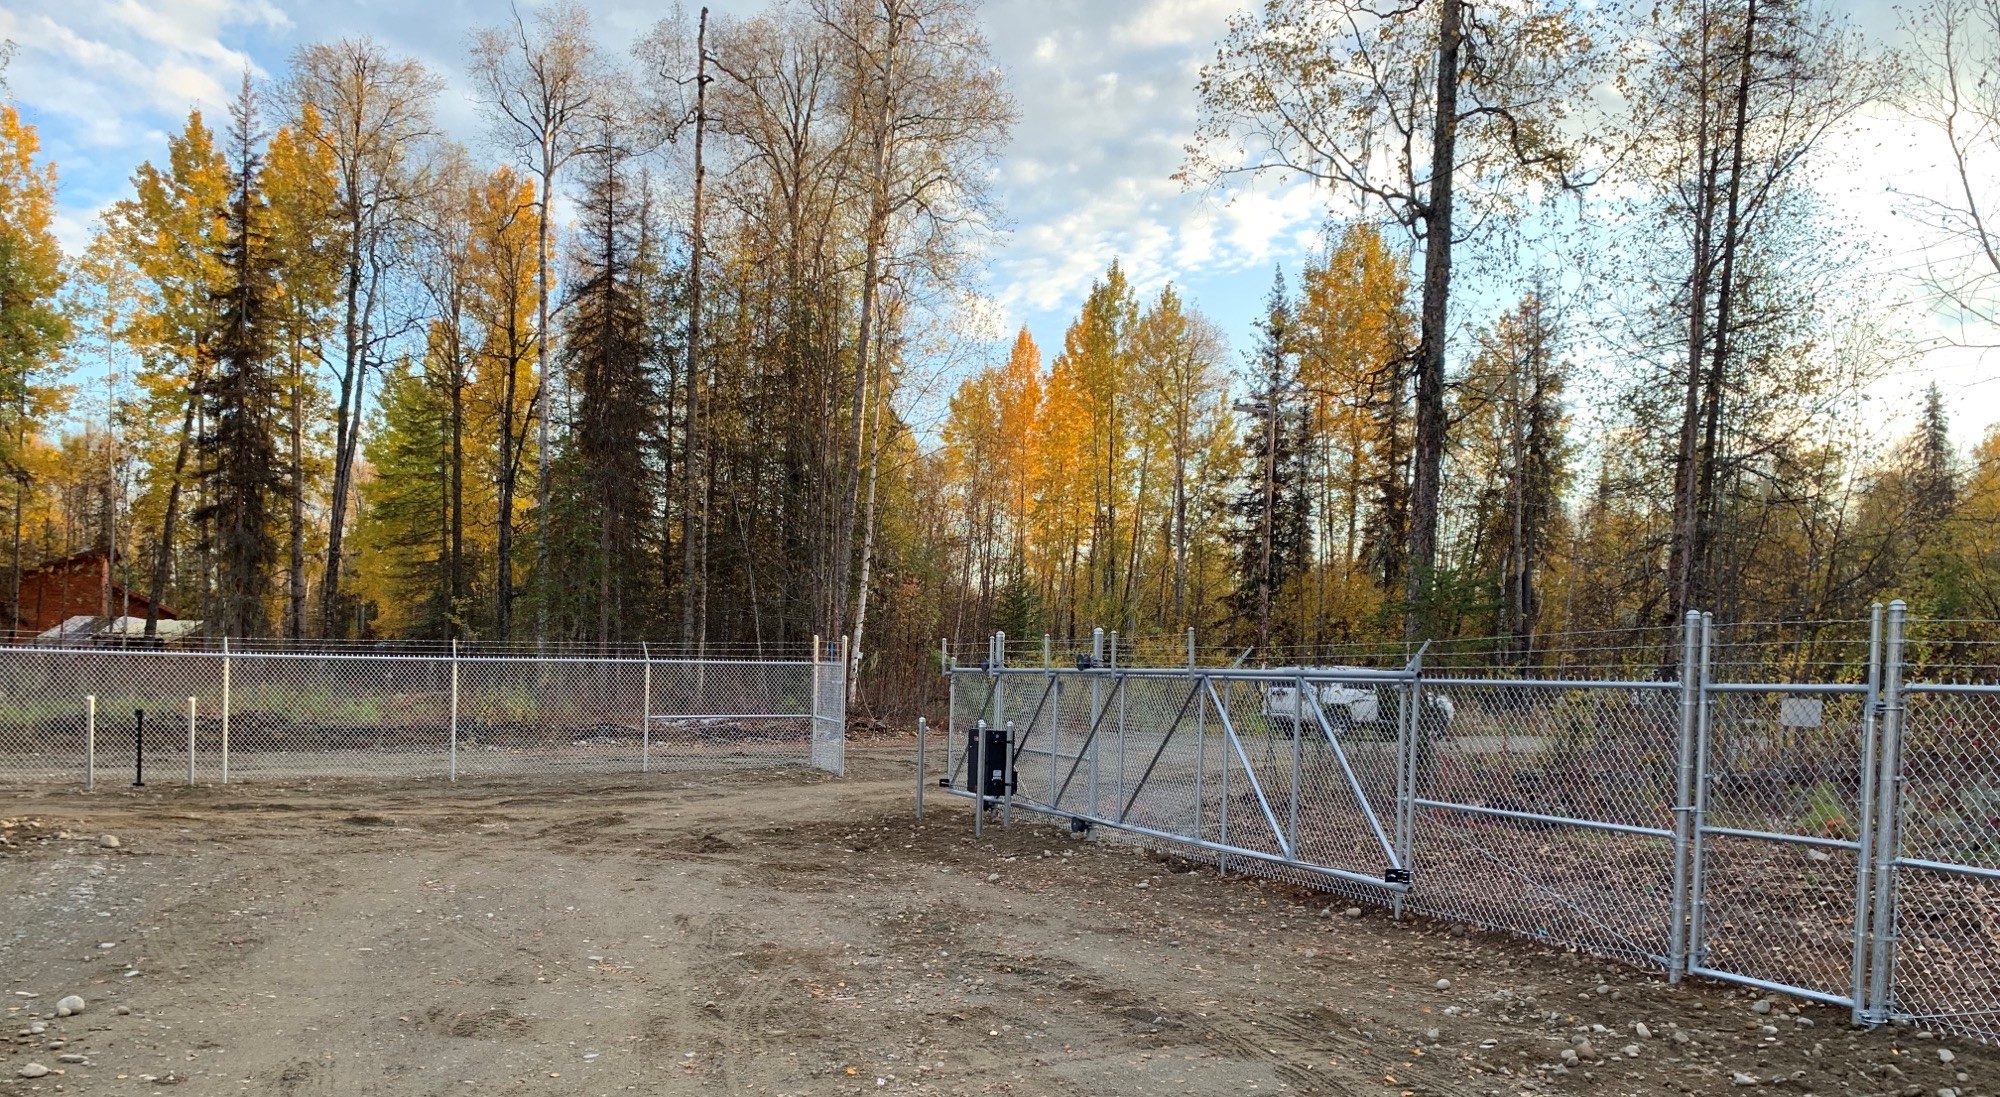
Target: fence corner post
<point x="1677" y="919"/>
<point x="645" y="708"/>
<point x="192" y="711"/>
<point x="1888" y="790"/>
<point x="225" y="710"/>
<point x="451" y="733"/>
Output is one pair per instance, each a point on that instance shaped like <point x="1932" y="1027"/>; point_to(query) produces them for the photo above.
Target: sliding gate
<point x="1814" y="827"/>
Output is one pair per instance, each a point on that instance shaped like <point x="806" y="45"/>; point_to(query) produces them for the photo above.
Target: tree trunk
<point x="164" y="557"/>
<point x="1430" y="411"/>
<point x="867" y="547"/>
<point x="295" y="583"/>
<point x="871" y="271"/>
<point x="347" y="426"/>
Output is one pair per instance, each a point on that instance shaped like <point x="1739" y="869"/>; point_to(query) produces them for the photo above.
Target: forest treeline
<point x="652" y="356"/>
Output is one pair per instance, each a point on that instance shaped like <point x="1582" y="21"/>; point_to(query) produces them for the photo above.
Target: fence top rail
<point x="1275" y="675"/>
<point x="1553" y="683"/>
<point x="425" y="656"/>
<point x="1992" y="688"/>
<point x="1833" y="688"/>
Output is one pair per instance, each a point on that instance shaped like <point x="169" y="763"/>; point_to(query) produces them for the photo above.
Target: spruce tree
<point x="1273" y="509"/>
<point x="609" y="360"/>
<point x="239" y="463"/>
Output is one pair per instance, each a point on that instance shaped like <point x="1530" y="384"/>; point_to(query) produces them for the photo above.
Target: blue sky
<point x="1105" y="90"/>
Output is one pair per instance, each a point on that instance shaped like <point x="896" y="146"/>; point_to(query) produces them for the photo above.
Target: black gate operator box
<point x="996" y="759"/>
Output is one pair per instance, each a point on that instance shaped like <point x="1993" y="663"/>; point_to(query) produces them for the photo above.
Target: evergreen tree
<point x="1273" y="509"/>
<point x="610" y="365"/>
<point x="240" y="468"/>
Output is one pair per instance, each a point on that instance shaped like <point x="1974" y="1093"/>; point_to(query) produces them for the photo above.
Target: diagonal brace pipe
<point x="1229" y="732"/>
<point x="1354" y="783"/>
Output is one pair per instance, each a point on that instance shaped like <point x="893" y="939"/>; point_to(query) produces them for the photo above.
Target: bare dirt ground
<point x="791" y="933"/>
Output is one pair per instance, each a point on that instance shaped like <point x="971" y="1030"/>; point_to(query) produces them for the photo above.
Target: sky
<point x="1106" y="98"/>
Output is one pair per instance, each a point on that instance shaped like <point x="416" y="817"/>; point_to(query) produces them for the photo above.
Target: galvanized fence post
<point x="818" y="691"/>
<point x="1007" y="780"/>
<point x="225" y="710"/>
<point x="1051" y="689"/>
<point x="1123" y="692"/>
<point x="979" y="779"/>
<point x="997" y="664"/>
<point x="1406" y="772"/>
<point x="1222" y="859"/>
<point x="947" y="664"/>
<point x="1201" y="686"/>
<point x="1703" y="729"/>
<point x="451" y="730"/>
<point x="1677" y="923"/>
<point x="1871" y="730"/>
<point x="923" y="733"/>
<point x="1888" y="792"/>
<point x="1096" y="707"/>
<point x="191" y="720"/>
<point x="1298" y="739"/>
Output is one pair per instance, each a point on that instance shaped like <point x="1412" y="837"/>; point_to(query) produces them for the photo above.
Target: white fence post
<point x="90" y="742"/>
<point x="191" y="719"/>
<point x="225" y="710"/>
<point x="452" y="764"/>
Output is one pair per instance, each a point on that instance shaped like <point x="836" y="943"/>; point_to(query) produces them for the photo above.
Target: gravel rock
<point x="1352" y="912"/>
<point x="72" y="1057"/>
<point x="1569" y="1055"/>
<point x="108" y="841"/>
<point x="1641" y="1031"/>
<point x="992" y="877"/>
<point x="1631" y="1051"/>
<point x="68" y="1005"/>
<point x="1742" y="1079"/>
<point x="1445" y="984"/>
<point x="1761" y="1005"/>
<point x="36" y="1028"/>
<point x="32" y="1070"/>
<point x="1586" y="1051"/>
<point x="1945" y="1055"/>
<point x="1947" y="1092"/>
<point x="123" y="1011"/>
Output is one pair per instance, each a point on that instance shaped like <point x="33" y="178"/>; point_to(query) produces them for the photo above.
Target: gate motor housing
<point x="996" y="760"/>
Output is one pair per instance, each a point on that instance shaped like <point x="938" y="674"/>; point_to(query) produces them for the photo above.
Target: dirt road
<point x="792" y="933"/>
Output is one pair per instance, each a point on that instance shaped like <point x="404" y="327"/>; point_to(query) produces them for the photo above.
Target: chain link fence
<point x="1812" y="809"/>
<point x="280" y="711"/>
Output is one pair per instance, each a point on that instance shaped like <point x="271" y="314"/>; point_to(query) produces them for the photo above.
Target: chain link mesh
<point x="1947" y="946"/>
<point x="408" y="715"/>
<point x="1550" y="808"/>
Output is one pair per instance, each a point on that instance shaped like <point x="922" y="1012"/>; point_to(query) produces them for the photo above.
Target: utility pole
<point x="691" y="494"/>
